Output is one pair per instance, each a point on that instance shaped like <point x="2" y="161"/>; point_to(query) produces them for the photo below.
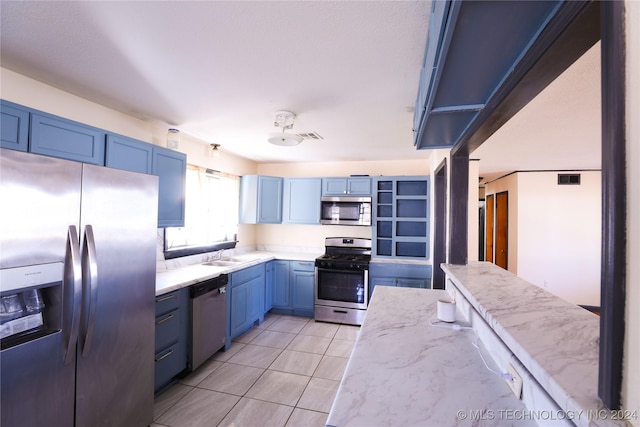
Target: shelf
<point x="412" y="188"/>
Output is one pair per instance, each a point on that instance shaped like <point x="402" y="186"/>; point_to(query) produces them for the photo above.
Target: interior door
<point x="488" y="252"/>
<point x="501" y="229"/>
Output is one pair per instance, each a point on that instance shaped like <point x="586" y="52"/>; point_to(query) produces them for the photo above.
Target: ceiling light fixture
<point x="284" y="120"/>
<point x="214" y="150"/>
<point x="173" y="138"/>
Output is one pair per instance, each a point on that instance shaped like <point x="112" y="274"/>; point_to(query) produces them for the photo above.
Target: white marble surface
<point x="556" y="341"/>
<point x="179" y="273"/>
<point x="405" y="372"/>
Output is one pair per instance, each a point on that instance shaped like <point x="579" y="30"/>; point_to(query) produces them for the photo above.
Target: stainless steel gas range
<point x="342" y="280"/>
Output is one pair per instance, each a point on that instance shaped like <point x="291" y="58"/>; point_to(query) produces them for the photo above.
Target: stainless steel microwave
<point x="345" y="210"/>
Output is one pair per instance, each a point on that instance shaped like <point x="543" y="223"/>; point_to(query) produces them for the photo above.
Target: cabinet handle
<point x="165" y="298"/>
<point x="164" y="356"/>
<point x="164" y="319"/>
<point x="306" y="263"/>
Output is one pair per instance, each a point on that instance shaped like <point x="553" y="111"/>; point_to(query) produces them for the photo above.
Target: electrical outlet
<point x="516" y="383"/>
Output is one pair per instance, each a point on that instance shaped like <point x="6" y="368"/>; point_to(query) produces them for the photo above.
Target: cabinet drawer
<point x="168" y="363"/>
<point x="380" y="269"/>
<point x="242" y="276"/>
<point x="303" y="265"/>
<point x="167" y="302"/>
<point x="167" y="329"/>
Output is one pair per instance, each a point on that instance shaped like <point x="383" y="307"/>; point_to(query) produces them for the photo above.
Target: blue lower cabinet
<point x="400" y="275"/>
<point x="245" y="300"/>
<point x="302" y="285"/>
<point x="172" y="333"/>
<point x="293" y="287"/>
<point x="14" y="126"/>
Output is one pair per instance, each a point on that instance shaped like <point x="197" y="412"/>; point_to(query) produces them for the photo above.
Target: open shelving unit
<point x="401" y="217"/>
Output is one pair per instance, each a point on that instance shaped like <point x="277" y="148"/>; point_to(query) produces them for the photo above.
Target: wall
<point x="559" y="234"/>
<point x="554" y="232"/>
<point x="631" y="368"/>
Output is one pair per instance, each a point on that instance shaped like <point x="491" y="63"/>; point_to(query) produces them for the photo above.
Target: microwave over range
<point x="345" y="210"/>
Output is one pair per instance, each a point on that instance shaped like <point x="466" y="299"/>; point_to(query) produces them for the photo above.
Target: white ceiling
<point x="219" y="69"/>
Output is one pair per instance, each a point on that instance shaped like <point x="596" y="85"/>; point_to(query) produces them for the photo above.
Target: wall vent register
<point x="568" y="179"/>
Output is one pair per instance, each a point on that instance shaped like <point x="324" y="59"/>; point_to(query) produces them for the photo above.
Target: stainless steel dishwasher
<point x="208" y="319"/>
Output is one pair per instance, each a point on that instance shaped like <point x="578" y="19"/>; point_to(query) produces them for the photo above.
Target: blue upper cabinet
<point x="472" y="50"/>
<point x="128" y="154"/>
<point x="302" y="200"/>
<point x="354" y="186"/>
<point x="170" y="166"/>
<point x="14" y="126"/>
<point x="57" y="137"/>
<point x="260" y="199"/>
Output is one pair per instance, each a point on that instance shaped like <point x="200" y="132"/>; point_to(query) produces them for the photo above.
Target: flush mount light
<point x="284" y="120"/>
<point x="173" y="138"/>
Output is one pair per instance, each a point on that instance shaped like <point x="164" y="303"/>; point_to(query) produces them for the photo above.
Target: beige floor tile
<point x="232" y="379"/>
<point x="199" y="408"/>
<point x="248" y="336"/>
<point x="255" y="355"/>
<point x="269" y="318"/>
<point x="319" y="329"/>
<point x="331" y="368"/>
<point x="223" y="356"/>
<point x="279" y="387"/>
<point x="253" y="413"/>
<point x="296" y="362"/>
<point x="274" y="339"/>
<point x="290" y="324"/>
<point x="347" y="332"/>
<point x="319" y="395"/>
<point x="340" y="348"/>
<point x="309" y="344"/>
<point x="201" y="373"/>
<point x="306" y="418"/>
<point x="169" y="398"/>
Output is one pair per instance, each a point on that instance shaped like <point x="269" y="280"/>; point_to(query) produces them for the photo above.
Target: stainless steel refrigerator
<point x="77" y="283"/>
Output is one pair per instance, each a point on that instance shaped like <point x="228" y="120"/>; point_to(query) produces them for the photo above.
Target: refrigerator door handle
<point x="89" y="289"/>
<point x="72" y="292"/>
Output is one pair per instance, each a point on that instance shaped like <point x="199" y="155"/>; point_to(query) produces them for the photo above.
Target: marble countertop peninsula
<point x="177" y="275"/>
<point x="405" y="372"/>
<point x="556" y="341"/>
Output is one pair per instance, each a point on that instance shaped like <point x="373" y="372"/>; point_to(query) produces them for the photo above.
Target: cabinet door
<point x="302" y="200"/>
<point x="268" y="286"/>
<point x="128" y="154"/>
<point x="380" y="281"/>
<point x="334" y="186"/>
<point x="57" y="137"/>
<point x="406" y="282"/>
<point x="255" y="300"/>
<point x="302" y="290"/>
<point x="269" y="200"/>
<point x="171" y="168"/>
<point x="14" y="126"/>
<point x="239" y="308"/>
<point x="281" y="287"/>
<point x="359" y="186"/>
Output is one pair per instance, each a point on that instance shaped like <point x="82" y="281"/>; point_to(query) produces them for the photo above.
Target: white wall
<point x="631" y="367"/>
<point x="555" y="232"/>
<point x="559" y="234"/>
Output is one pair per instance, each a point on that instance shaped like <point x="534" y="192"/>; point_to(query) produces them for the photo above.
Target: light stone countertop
<point x="556" y="341"/>
<point x="173" y="279"/>
<point x="405" y="372"/>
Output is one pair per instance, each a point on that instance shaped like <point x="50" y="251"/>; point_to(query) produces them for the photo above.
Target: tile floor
<point x="284" y="372"/>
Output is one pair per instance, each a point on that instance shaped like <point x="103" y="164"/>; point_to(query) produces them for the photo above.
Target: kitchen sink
<point x="228" y="262"/>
